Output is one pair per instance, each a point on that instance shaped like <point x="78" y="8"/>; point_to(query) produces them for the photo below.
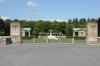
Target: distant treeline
<point x="46" y="26"/>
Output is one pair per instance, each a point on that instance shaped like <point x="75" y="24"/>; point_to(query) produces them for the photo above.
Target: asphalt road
<point x="50" y="55"/>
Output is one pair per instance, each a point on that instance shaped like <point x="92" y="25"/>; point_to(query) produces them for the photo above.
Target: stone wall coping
<point x="5" y="36"/>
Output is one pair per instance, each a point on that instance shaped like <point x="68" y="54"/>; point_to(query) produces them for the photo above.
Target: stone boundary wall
<point x="98" y="39"/>
<point x="5" y="40"/>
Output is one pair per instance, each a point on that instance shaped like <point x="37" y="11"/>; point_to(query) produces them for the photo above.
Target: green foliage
<point x="45" y="26"/>
<point x="2" y="27"/>
<point x="7" y="27"/>
<point x="2" y="33"/>
<point x="69" y="29"/>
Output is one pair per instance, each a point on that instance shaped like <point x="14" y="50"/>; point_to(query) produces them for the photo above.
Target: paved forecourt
<point x="49" y="55"/>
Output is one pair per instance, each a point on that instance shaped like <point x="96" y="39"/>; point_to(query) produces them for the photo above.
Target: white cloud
<point x="31" y="4"/>
<point x="4" y="18"/>
<point x="50" y="19"/>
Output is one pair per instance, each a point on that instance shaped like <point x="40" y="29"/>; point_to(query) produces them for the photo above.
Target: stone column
<point x="34" y="40"/>
<point x="23" y="33"/>
<point x="73" y="33"/>
<point x="29" y="34"/>
<point x="47" y="40"/>
<point x="15" y="32"/>
<point x="92" y="32"/>
<point x="73" y="40"/>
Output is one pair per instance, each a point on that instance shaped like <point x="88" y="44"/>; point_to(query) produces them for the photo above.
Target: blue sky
<point x="49" y="9"/>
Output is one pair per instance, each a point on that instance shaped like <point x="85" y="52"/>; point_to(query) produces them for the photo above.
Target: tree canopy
<point x="45" y="26"/>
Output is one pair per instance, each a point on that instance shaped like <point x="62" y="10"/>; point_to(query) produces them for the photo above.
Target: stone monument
<point x="15" y="32"/>
<point x="92" y="32"/>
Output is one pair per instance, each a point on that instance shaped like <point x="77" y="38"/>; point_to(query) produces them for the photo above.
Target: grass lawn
<point x="59" y="40"/>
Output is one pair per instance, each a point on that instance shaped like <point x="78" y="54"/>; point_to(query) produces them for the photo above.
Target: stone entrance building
<point x="26" y="32"/>
<point x="79" y="32"/>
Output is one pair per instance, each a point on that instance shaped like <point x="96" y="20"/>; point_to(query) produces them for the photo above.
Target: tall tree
<point x="2" y="27"/>
<point x="98" y="27"/>
<point x="70" y="21"/>
<point x="7" y="27"/>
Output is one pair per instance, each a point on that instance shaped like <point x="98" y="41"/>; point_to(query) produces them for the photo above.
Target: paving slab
<point x="50" y="55"/>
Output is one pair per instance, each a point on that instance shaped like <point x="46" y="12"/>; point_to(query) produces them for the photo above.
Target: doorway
<point x="76" y="34"/>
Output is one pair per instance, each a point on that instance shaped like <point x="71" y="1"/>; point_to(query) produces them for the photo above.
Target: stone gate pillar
<point x="92" y="32"/>
<point x="15" y="32"/>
